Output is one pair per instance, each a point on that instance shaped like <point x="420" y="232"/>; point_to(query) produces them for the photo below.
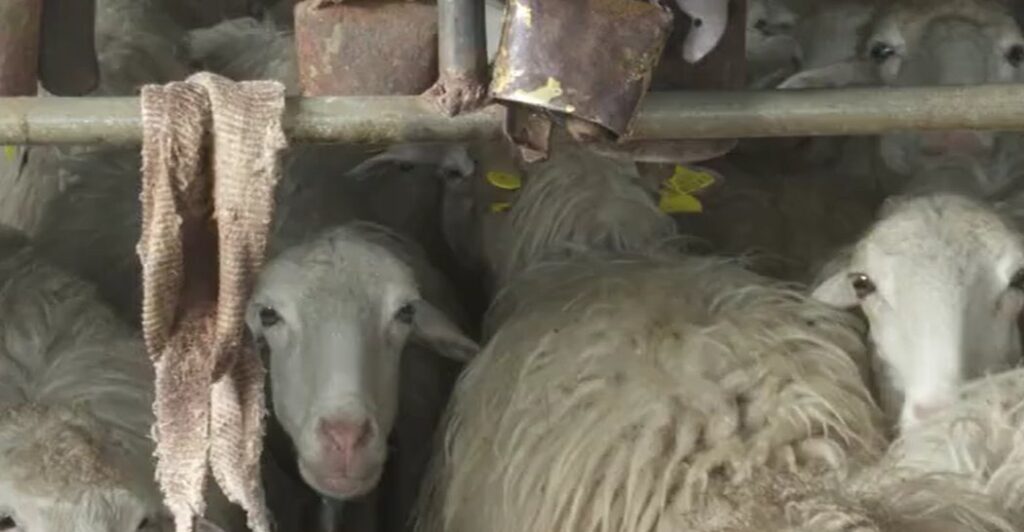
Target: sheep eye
<point x="881" y="51"/>
<point x="862" y="285"/>
<point x="697" y="22"/>
<point x="1017" y="281"/>
<point x="269" y="317"/>
<point x="143" y="524"/>
<point x="405" y="314"/>
<point x="761" y="25"/>
<point x="7" y="523"/>
<point x="1015" y="55"/>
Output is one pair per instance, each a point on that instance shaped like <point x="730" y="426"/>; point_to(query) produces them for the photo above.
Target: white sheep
<point x="76" y="390"/>
<point x="940" y="279"/>
<point x="914" y="43"/>
<point x="579" y="200"/>
<point x="311" y="281"/>
<point x="772" y="54"/>
<point x="654" y="391"/>
<point x="977" y="439"/>
<point x="136" y="43"/>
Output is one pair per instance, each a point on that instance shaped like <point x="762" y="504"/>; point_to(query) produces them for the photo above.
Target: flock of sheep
<point x="830" y="345"/>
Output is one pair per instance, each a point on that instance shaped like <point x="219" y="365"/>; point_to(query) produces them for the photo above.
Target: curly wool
<point x="979" y="441"/>
<point x="650" y="393"/>
<point x="71" y="374"/>
<point x="574" y="201"/>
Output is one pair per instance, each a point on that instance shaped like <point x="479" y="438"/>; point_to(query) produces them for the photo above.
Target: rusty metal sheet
<point x="366" y="47"/>
<point x="19" y="46"/>
<point x="724" y="68"/>
<point x="591" y="59"/>
<point x="67" y="50"/>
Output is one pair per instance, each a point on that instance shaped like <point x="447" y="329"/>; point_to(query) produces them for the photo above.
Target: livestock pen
<point x="514" y="282"/>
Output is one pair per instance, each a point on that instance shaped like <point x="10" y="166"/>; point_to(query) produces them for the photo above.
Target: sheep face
<point x="953" y="43"/>
<point x="61" y="473"/>
<point x="940" y="281"/>
<point x="335" y="314"/>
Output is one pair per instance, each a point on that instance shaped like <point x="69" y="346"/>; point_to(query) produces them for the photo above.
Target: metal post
<point x="678" y="115"/>
<point x="462" y="38"/>
<point x="462" y="56"/>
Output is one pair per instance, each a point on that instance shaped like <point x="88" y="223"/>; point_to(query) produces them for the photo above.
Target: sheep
<point x="940" y="279"/>
<point x="76" y="389"/>
<point x="342" y="316"/>
<point x="99" y="243"/>
<point x="577" y="200"/>
<point x="646" y="389"/>
<point x="136" y="43"/>
<point x="918" y="43"/>
<point x="976" y="438"/>
<point x="772" y="53"/>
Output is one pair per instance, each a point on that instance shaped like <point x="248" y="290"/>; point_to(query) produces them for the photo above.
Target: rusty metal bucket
<point x="19" y="46"/>
<point x="610" y="50"/>
<point x="598" y="107"/>
<point x="365" y="47"/>
<point x="724" y="68"/>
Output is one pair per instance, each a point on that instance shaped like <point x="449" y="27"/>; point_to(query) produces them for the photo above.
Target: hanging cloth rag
<point x="209" y="166"/>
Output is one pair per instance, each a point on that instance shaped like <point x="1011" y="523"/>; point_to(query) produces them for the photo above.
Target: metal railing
<point x="676" y="115"/>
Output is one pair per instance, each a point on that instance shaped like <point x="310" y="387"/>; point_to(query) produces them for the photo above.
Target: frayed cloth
<point x="205" y="222"/>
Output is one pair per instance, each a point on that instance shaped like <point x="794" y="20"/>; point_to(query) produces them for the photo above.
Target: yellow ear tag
<point x="689" y="180"/>
<point x="677" y="192"/>
<point x="504" y="180"/>
<point x="11" y="152"/>
<point x="500" y="206"/>
<point x="673" y="201"/>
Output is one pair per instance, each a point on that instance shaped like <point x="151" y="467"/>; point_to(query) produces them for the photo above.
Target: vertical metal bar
<point x="19" y="46"/>
<point x="462" y="39"/>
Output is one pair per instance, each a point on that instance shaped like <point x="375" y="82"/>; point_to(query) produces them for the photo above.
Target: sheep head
<point x="61" y="471"/>
<point x="940" y="279"/>
<point x="926" y="43"/>
<point x="336" y="314"/>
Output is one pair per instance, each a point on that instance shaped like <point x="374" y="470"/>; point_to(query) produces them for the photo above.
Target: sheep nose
<point x="346" y="438"/>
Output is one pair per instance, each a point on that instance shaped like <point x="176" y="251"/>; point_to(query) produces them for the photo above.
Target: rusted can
<point x="366" y="47"/>
<point x="20" y="21"/>
<point x="589" y="59"/>
<point x="724" y="68"/>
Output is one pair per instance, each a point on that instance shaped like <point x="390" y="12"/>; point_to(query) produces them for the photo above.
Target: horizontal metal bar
<point x="724" y="114"/>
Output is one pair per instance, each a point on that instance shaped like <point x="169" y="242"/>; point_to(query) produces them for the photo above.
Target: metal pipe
<point x="462" y="39"/>
<point x="722" y="114"/>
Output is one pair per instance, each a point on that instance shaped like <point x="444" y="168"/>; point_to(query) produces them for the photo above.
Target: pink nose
<point x="345" y="439"/>
<point x="958" y="141"/>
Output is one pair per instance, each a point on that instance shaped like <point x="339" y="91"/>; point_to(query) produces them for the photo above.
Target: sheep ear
<point x="432" y="328"/>
<point x="363" y="170"/>
<point x="842" y="74"/>
<point x="837" y="291"/>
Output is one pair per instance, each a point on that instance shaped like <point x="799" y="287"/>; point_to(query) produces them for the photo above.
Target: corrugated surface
<point x="366" y="47"/>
